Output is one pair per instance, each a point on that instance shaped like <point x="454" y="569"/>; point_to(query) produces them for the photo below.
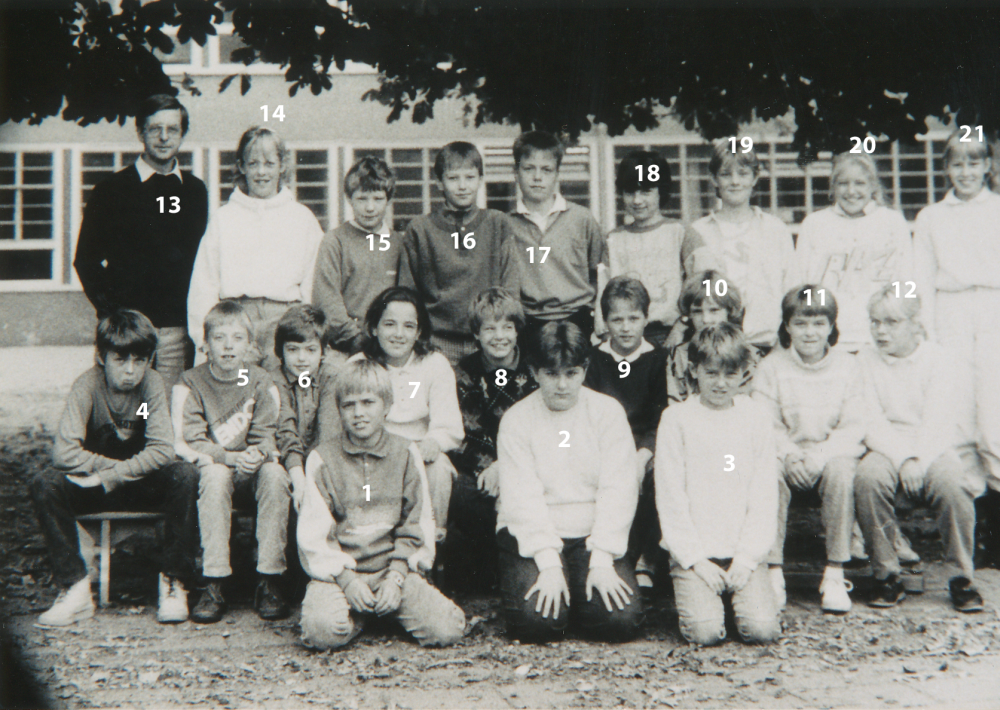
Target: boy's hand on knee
<point x="738" y="576"/>
<point x="89" y="481"/>
<point x="390" y="594"/>
<point x="712" y="575"/>
<point x="911" y="478"/>
<point x="797" y="475"/>
<point x="610" y="586"/>
<point x="552" y="590"/>
<point x="359" y="596"/>
<point x="429" y="449"/>
<point x="489" y="479"/>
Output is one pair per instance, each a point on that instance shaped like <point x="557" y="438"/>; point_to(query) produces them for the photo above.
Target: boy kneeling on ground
<point x="364" y="523"/>
<point x="113" y="451"/>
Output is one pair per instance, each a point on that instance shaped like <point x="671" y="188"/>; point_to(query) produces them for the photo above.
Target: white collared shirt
<point x="543" y="222"/>
<point x="146" y="172"/>
<point x="644" y="347"/>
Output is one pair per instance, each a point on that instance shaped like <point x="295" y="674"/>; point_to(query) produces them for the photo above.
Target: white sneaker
<point x="834" y="589"/>
<point x="173" y="607"/>
<point x="777" y="576"/>
<point x="858" y="544"/>
<point x="72" y="605"/>
<point x="904" y="552"/>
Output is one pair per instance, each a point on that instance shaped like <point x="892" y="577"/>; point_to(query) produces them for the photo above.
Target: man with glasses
<point x="140" y="233"/>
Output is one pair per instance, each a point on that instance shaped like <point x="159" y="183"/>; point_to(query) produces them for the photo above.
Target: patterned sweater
<point x="483" y="402"/>
<point x="212" y="417"/>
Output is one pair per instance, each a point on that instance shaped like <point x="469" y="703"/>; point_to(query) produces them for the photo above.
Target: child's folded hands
<point x="390" y="594"/>
<point x="737" y="575"/>
<point x="712" y="575"/>
<point x="359" y="596"/>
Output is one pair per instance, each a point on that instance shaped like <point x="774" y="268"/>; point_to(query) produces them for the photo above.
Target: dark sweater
<point x="129" y="255"/>
<point x="643" y="393"/>
<point x="483" y="402"/>
<point x="446" y="278"/>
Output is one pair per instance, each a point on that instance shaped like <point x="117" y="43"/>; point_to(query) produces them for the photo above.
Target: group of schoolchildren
<point x="568" y="403"/>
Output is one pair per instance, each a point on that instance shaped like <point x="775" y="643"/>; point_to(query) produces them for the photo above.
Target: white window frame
<point x="55" y="243"/>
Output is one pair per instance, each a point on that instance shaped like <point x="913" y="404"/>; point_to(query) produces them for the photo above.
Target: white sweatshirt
<point x="429" y="409"/>
<point x="817" y="409"/>
<point x="567" y="475"/>
<point x="853" y="257"/>
<point x="257" y="248"/>
<point x="757" y="258"/>
<point x="919" y="406"/>
<point x="956" y="246"/>
<point x="707" y="512"/>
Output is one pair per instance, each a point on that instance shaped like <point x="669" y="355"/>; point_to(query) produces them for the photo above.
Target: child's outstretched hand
<point x="552" y="589"/>
<point x="390" y="594"/>
<point x="712" y="575"/>
<point x="610" y="586"/>
<point x="738" y="576"/>
<point x="429" y="449"/>
<point x="359" y="596"/>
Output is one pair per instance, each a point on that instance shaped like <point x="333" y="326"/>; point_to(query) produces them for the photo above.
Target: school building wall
<point x="46" y="172"/>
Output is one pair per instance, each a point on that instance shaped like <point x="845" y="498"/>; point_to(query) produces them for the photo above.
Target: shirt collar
<point x="868" y="209"/>
<point x="558" y="205"/>
<point x="644" y="347"/>
<point x="380" y="450"/>
<point x="456" y="215"/>
<point x="382" y="228"/>
<point x="513" y="366"/>
<point x="757" y="212"/>
<point x="952" y="199"/>
<point x="146" y="172"/>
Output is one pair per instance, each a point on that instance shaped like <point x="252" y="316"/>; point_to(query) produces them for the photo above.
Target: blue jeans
<point x="518" y="574"/>
<point x="328" y="621"/>
<point x="702" y="613"/>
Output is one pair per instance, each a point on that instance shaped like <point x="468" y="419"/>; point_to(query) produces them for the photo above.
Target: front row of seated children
<point x="570" y="467"/>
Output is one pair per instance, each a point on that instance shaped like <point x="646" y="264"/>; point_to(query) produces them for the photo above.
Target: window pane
<point x="180" y="54"/>
<point x="36" y="231"/>
<point x="37" y="214"/>
<point x="98" y="160"/>
<point x="6" y="231"/>
<point x="227" y="45"/>
<point x="25" y="265"/>
<point x="33" y="160"/>
<point x="6" y="177"/>
<point x="406" y="156"/>
<point x="37" y="197"/>
<point x="7" y="160"/>
<point x="37" y="177"/>
<point x="310" y="157"/>
<point x="310" y="175"/>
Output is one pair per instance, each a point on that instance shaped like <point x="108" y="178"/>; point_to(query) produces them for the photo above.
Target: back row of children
<point x="855" y="247"/>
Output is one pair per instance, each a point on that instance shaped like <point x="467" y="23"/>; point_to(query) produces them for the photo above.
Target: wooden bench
<point x="125" y="523"/>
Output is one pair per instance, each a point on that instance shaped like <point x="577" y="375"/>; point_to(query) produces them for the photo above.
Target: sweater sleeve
<point x="846" y="437"/>
<point x="938" y="432"/>
<point x="327" y="290"/>
<point x="316" y="531"/>
<point x="597" y="253"/>
<point x="760" y="526"/>
<point x="658" y="402"/>
<point x="617" y="485"/>
<point x="159" y="448"/>
<point x="522" y="494"/>
<point x="925" y="269"/>
<point x="290" y="447"/>
<point x="68" y="453"/>
<point x="880" y="435"/>
<point x="192" y="439"/>
<point x="92" y="250"/>
<point x="205" y="283"/>
<point x="409" y="259"/>
<point x="680" y="536"/>
<point x="264" y="422"/>
<point x="510" y="262"/>
<point x="765" y="393"/>
<point x="409" y="534"/>
<point x="708" y="259"/>
<point x="314" y="234"/>
<point x="694" y="255"/>
<point x="445" y="425"/>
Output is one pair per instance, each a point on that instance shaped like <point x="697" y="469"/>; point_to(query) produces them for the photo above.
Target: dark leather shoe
<point x="888" y="592"/>
<point x="211" y="606"/>
<point x="268" y="602"/>
<point x="964" y="596"/>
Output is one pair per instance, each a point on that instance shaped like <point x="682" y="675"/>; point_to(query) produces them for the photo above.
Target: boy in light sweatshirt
<point x="364" y="525"/>
<point x="717" y="496"/>
<point x="225" y="413"/>
<point x="113" y="450"/>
